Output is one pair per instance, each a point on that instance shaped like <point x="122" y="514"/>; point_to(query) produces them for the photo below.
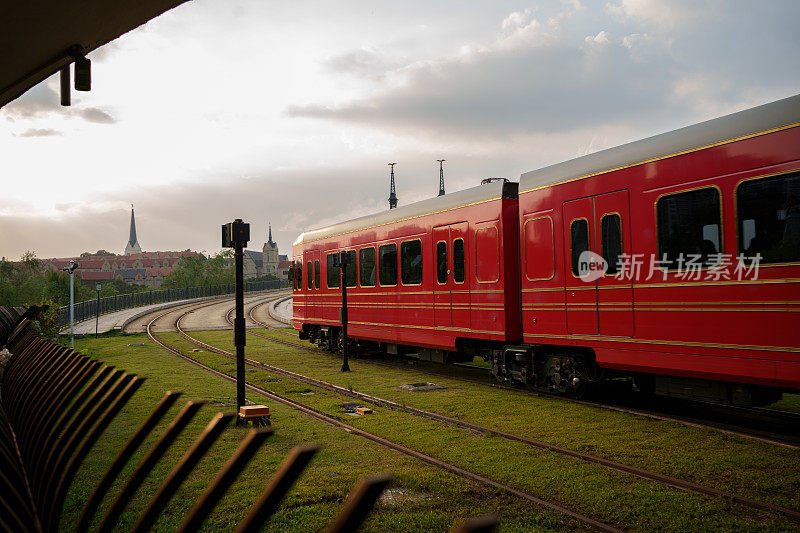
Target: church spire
<point x="132" y="239"/>
<point x="133" y="244"/>
<point x="270" y="234"/>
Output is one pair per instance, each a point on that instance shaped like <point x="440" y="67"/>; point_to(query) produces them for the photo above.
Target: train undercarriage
<point x="571" y="371"/>
<point x="574" y="371"/>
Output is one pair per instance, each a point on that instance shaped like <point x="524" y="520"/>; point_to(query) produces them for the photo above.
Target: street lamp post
<point x="98" y="287"/>
<point x="73" y="266"/>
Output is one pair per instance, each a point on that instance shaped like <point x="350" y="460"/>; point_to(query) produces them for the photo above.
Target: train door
<point x="318" y="303"/>
<point x="615" y="289"/>
<point x="310" y="264"/>
<point x="451" y="293"/>
<point x="462" y="275"/>
<point x="308" y="283"/>
<point x="581" y="290"/>
<point x="597" y="228"/>
<point x="442" y="307"/>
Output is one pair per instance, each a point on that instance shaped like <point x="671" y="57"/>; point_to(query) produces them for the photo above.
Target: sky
<point x="289" y="112"/>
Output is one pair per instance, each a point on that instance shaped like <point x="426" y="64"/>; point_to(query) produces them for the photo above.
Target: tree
<point x="30" y="261"/>
<point x="200" y="271"/>
<point x="98" y="253"/>
<point x="46" y="323"/>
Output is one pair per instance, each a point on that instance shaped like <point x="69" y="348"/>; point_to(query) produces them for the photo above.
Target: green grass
<point x="706" y="456"/>
<point x="437" y="499"/>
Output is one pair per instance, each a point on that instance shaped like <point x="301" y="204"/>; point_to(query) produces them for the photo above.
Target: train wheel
<point x="333" y="344"/>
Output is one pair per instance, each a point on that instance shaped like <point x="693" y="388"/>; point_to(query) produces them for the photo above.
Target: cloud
<point x="43" y="102"/>
<point x="601" y="38"/>
<point x="670" y="63"/>
<point x="96" y="115"/>
<point x="38" y="102"/>
<point x="98" y="55"/>
<point x="509" y="92"/>
<point x="535" y="77"/>
<point x="665" y="14"/>
<point x="364" y="63"/>
<point x="43" y="132"/>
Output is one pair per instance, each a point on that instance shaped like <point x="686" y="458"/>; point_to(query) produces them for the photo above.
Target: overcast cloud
<point x="642" y="62"/>
<point x="290" y="112"/>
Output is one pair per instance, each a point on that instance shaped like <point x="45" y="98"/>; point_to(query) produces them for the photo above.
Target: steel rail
<point x="196" y="306"/>
<point x="613" y="465"/>
<point x="385" y="442"/>
<point x="769" y="437"/>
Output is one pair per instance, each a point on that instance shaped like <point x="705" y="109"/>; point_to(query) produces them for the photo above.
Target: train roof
<point x="474" y="195"/>
<point x="775" y="115"/>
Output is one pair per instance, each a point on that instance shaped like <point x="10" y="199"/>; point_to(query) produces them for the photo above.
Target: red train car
<point x="674" y="261"/>
<point x="699" y="231"/>
<point x="440" y="275"/>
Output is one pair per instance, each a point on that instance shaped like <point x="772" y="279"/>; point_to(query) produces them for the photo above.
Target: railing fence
<point x="88" y="308"/>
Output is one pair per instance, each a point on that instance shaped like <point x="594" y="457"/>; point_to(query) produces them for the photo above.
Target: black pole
<point x="97" y="320"/>
<point x="343" y="263"/>
<point x="65" y="96"/>
<point x="235" y="235"/>
<point x="238" y="325"/>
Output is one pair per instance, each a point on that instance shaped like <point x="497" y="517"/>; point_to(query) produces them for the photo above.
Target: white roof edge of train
<point x="727" y="128"/>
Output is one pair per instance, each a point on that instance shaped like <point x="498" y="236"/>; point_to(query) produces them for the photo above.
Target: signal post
<point x="235" y="235"/>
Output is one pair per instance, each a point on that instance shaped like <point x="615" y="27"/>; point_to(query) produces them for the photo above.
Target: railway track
<point x="768" y="425"/>
<point x="367" y="398"/>
<point x="308" y="410"/>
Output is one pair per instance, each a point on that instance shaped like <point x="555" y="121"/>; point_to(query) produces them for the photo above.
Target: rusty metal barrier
<point x="56" y="403"/>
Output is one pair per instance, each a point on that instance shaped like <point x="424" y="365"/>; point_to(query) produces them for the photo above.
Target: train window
<point x="387" y="264"/>
<point x="611" y="235"/>
<point x="458" y="260"/>
<point x="579" y="242"/>
<point x="366" y="267"/>
<point x="688" y="226"/>
<point x="298" y="268"/>
<point x="768" y="218"/>
<point x="331" y="272"/>
<point x="441" y="262"/>
<point x="539" y="253"/>
<point x="316" y="274"/>
<point x="350" y="274"/>
<point x="411" y="262"/>
<point x="310" y="275"/>
<point x="487" y="255"/>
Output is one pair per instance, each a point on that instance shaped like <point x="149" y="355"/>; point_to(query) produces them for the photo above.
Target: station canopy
<point x="35" y="35"/>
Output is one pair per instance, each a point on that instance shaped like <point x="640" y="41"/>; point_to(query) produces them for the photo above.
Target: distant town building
<point x="253" y="264"/>
<point x="283" y="266"/>
<point x="268" y="261"/>
<point x="145" y="268"/>
<point x="150" y="268"/>
<point x="135" y="266"/>
<point x="270" y="254"/>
